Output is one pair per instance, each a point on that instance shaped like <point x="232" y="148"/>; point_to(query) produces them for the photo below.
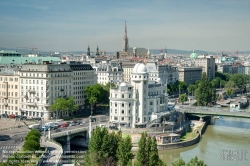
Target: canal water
<point x="226" y="142"/>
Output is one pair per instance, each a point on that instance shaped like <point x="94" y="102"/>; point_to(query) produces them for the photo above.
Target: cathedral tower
<point x="125" y="40"/>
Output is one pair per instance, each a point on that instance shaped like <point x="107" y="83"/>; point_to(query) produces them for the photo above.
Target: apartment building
<point x="207" y="62"/>
<point x="190" y="74"/>
<point x="41" y="85"/>
<point x="127" y="70"/>
<point x="107" y="72"/>
<point x="9" y="90"/>
<point x="83" y="75"/>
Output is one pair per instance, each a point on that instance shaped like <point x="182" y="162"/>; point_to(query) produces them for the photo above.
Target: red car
<point x="12" y="116"/>
<point x="64" y="125"/>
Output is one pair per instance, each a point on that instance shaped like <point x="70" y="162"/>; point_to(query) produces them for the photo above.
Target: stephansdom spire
<point x="125" y="40"/>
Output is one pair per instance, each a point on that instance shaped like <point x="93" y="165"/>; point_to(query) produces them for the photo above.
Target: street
<point x="14" y="143"/>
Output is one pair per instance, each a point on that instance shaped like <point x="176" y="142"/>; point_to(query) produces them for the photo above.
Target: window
<point x="122" y="118"/>
<point x="115" y="104"/>
<point x="151" y="103"/>
<point x="122" y="95"/>
<point x="122" y="111"/>
<point x="116" y="111"/>
<point x="115" y="118"/>
<point x="122" y="105"/>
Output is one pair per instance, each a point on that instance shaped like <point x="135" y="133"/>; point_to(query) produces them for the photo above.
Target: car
<point x="113" y="127"/>
<point x="72" y="124"/>
<point x="12" y="116"/>
<point x="4" y="116"/>
<point x="58" y="130"/>
<point x="64" y="125"/>
<point x="191" y="124"/>
<point x="37" y="118"/>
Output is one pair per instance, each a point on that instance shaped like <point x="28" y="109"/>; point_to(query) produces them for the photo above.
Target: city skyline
<point x="64" y="26"/>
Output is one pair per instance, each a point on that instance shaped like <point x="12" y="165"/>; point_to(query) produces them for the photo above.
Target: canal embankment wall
<point x="182" y="143"/>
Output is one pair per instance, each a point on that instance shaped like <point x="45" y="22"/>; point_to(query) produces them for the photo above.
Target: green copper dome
<point x="134" y="48"/>
<point x="193" y="55"/>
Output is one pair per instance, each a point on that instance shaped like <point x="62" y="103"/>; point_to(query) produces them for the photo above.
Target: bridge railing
<point x="63" y="133"/>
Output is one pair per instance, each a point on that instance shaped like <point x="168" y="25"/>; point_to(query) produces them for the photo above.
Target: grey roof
<point x="46" y="67"/>
<point x="75" y="67"/>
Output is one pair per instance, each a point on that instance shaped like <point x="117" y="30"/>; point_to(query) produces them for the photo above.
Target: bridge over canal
<point x="206" y="111"/>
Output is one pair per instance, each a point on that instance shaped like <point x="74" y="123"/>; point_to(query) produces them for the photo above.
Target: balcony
<point x="31" y="91"/>
<point x="5" y="104"/>
<point x="47" y="97"/>
<point x="62" y="89"/>
<point x="25" y="96"/>
<point x="47" y="90"/>
<point x="32" y="104"/>
<point x="37" y="97"/>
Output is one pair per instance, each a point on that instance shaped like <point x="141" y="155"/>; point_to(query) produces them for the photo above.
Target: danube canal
<point x="226" y="142"/>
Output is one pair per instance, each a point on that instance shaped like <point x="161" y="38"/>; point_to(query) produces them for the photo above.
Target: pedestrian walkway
<point x="53" y="154"/>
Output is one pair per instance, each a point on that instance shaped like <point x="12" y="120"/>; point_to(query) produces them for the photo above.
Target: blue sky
<point x="68" y="25"/>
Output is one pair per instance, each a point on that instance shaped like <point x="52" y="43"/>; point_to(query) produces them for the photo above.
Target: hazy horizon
<point x="71" y="25"/>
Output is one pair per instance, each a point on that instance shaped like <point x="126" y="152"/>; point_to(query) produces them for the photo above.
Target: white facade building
<point x="107" y="72"/>
<point x="137" y="103"/>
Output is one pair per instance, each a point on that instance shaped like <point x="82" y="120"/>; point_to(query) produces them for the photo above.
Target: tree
<point x="230" y="91"/>
<point x="62" y="104"/>
<point x="222" y="76"/>
<point x="124" y="153"/>
<point x="147" y="154"/>
<point x="239" y="79"/>
<point x="216" y="82"/>
<point x="182" y="86"/>
<point x="33" y="132"/>
<point x="16" y="159"/>
<point x="204" y="93"/>
<point x="93" y="94"/>
<point x="230" y="84"/>
<point x="183" y="98"/>
<point x="103" y="147"/>
<point x="141" y="156"/>
<point x="153" y="155"/>
<point x="196" y="162"/>
<point x="70" y="105"/>
<point x="191" y="88"/>
<point x="193" y="162"/>
<point x="179" y="162"/>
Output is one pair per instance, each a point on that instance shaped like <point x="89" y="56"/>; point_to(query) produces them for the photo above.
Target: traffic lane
<point x="8" y="147"/>
<point x="15" y="131"/>
<point x="75" y="127"/>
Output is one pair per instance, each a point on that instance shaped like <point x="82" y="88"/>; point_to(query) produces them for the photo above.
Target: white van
<point x="35" y="126"/>
<point x="102" y="125"/>
<point x="52" y="125"/>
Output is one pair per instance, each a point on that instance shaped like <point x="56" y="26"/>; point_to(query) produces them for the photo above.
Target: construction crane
<point x="32" y="48"/>
<point x="237" y="52"/>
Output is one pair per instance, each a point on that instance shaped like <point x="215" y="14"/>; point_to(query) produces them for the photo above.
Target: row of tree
<point x="204" y="90"/>
<point x="31" y="144"/>
<point x="113" y="149"/>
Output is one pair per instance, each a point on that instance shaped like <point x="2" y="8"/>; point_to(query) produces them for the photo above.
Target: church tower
<point x="125" y="40"/>
<point x="88" y="52"/>
<point x="97" y="51"/>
